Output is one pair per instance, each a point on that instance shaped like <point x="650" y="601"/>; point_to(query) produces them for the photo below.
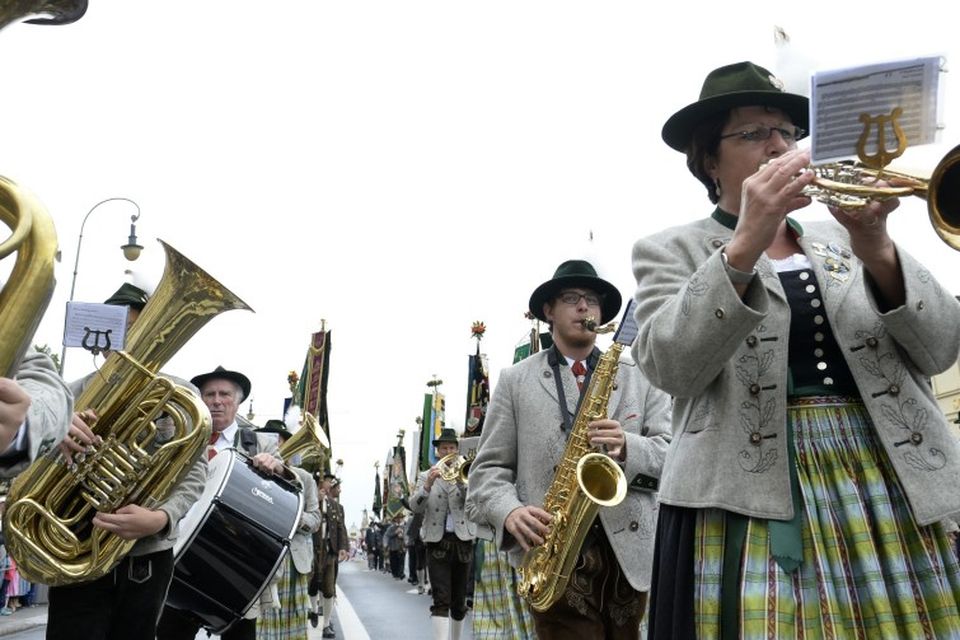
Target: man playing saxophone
<point x="126" y="602"/>
<point x="529" y="419"/>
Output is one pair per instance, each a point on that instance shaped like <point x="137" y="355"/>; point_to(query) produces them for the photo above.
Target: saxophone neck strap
<point x="554" y="358"/>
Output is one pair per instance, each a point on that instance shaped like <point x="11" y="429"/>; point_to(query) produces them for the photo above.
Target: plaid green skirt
<point x="289" y="622"/>
<point x="869" y="571"/>
<point x="498" y="612"/>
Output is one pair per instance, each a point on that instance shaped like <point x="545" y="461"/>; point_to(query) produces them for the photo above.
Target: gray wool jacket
<point x="724" y="359"/>
<point x="522" y="443"/>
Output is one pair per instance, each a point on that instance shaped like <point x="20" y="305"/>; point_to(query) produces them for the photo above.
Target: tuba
<point x="41" y="11"/>
<point x="308" y="442"/>
<point x="50" y="506"/>
<point x="584" y="481"/>
<point x="25" y="297"/>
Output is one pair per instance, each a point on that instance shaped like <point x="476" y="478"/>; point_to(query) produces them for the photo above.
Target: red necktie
<point x="211" y="451"/>
<point x="580" y="372"/>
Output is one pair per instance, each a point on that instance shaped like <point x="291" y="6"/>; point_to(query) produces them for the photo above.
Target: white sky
<point x="400" y="169"/>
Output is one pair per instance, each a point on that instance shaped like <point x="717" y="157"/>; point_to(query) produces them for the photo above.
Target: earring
<point x="716" y="184"/>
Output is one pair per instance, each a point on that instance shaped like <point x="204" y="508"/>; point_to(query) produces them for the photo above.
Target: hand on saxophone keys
<point x="608" y="436"/>
<point x="528" y="525"/>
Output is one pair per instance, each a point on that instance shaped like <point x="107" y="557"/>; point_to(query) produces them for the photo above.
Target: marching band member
<point x="528" y="419"/>
<point x="449" y="538"/>
<point x="35" y="411"/>
<point x="811" y="466"/>
<point x="331" y="547"/>
<point x="223" y="391"/>
<point x="290" y="619"/>
<point x="126" y="602"/>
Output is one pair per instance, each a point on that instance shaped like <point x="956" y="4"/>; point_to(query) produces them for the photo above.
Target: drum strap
<point x="248" y="441"/>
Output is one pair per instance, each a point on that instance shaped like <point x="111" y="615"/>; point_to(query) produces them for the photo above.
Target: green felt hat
<point x="742" y="84"/>
<point x="129" y="295"/>
<point x="576" y="273"/>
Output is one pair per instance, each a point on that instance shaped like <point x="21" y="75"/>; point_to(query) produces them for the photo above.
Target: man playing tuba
<point x="126" y="602"/>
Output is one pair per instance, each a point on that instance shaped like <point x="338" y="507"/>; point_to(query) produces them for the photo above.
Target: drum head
<point x="217" y="473"/>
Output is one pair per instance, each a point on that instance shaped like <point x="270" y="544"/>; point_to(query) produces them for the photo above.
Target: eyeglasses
<point x="762" y="133"/>
<point x="573" y="297"/>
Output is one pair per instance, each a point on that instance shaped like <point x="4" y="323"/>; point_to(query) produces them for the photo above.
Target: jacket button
<point x="751" y="341"/>
<point x="547" y="374"/>
<point x="916" y="437"/>
<point x="615" y="386"/>
<point x="717" y="243"/>
<point x="634" y="525"/>
<point x="872" y="342"/>
<point x="893" y="389"/>
<point x="754" y="389"/>
<point x="920" y="305"/>
<point x="718" y="312"/>
<point x="755" y="438"/>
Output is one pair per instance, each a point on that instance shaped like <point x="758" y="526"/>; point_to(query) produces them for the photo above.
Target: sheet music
<point x="90" y="325"/>
<point x="627" y="330"/>
<point x="838" y="97"/>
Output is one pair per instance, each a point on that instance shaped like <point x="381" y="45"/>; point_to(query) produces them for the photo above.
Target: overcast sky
<point x="401" y="169"/>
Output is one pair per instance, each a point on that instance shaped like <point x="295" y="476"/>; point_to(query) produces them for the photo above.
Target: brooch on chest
<point x="836" y="260"/>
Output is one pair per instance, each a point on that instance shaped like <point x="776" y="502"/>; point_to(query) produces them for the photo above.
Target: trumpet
<point x="853" y="185"/>
<point x="455" y="467"/>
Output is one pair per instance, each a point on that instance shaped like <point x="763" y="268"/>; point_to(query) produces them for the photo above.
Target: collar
<point x="729" y="220"/>
<point x="229" y="434"/>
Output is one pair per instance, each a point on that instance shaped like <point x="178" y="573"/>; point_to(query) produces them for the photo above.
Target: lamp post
<point x="131" y="251"/>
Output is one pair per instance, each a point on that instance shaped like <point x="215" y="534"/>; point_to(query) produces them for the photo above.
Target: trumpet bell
<point x="943" y="198"/>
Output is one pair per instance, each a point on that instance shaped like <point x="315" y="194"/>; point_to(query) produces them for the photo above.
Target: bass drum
<point x="232" y="541"/>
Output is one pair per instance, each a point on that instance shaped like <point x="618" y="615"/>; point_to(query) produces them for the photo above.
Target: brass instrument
<point x="49" y="510"/>
<point x="309" y="442"/>
<point x="41" y="11"/>
<point x="33" y="237"/>
<point x="27" y="293"/>
<point x="585" y="480"/>
<point x="455" y="467"/>
<point x="590" y="324"/>
<point x="848" y="185"/>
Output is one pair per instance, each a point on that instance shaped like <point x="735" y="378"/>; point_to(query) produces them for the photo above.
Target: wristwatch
<point x="736" y="276"/>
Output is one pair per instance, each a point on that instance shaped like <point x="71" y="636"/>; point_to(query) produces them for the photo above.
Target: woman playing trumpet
<point x="810" y="466"/>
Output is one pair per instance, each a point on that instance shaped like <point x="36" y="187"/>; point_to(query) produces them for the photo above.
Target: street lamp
<point x="131" y="251"/>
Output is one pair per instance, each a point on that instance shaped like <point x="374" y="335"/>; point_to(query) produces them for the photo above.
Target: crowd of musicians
<point x="788" y="470"/>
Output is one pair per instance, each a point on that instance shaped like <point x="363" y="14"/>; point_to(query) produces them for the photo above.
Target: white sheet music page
<point x="92" y="325"/>
<point x="840" y="96"/>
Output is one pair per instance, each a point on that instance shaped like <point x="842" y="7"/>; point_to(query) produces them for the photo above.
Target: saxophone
<point x="48" y="516"/>
<point x="584" y="481"/>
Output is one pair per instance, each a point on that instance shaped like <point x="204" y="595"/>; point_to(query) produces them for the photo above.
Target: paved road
<point x="386" y="608"/>
<point x="371" y="606"/>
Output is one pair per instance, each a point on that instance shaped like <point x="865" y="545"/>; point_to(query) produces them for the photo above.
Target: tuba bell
<point x="27" y="293"/>
<point x="47" y="521"/>
<point x="308" y="442"/>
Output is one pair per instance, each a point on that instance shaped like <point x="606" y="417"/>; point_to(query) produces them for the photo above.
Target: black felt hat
<point x="742" y="84"/>
<point x="446" y="435"/>
<point x="129" y="295"/>
<point x="275" y="426"/>
<point x="577" y="273"/>
<point x="222" y="374"/>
